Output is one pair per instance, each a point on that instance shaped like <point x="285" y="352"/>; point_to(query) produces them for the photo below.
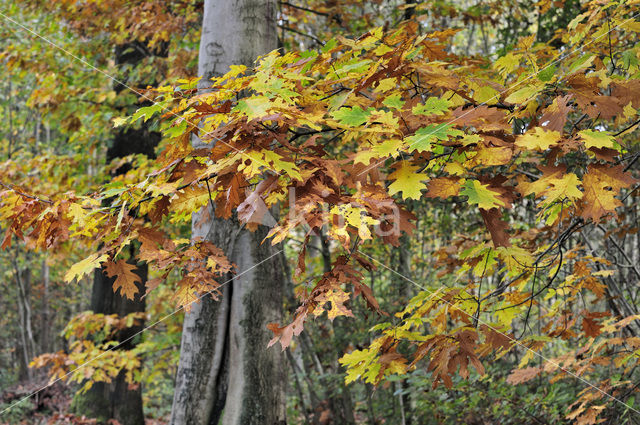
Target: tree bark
<point x="115" y="400"/>
<point x="45" y="339"/>
<point x="226" y="372"/>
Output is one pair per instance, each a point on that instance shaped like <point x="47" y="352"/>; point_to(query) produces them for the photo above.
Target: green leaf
<point x="353" y="65"/>
<point x="597" y="139"/>
<point x="352" y="117"/>
<point x="147" y="112"/>
<point x="481" y="195"/>
<point x="254" y="107"/>
<point x="422" y="139"/>
<point x="547" y="73"/>
<point x="394" y="102"/>
<point x="432" y="106"/>
<point x="329" y="45"/>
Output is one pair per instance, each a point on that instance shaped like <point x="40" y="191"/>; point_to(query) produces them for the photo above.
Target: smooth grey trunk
<point x="226" y="373"/>
<point x="45" y="339"/>
<point x="23" y="280"/>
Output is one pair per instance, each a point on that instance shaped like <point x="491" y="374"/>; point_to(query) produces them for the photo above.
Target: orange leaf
<point x="520" y="376"/>
<point x="125" y="277"/>
<point x="601" y="184"/>
<point x="443" y="187"/>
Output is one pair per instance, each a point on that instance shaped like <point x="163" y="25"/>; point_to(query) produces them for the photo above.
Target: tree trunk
<point x="115" y="400"/>
<point x="226" y="372"/>
<point x="45" y="338"/>
<point x="23" y="280"/>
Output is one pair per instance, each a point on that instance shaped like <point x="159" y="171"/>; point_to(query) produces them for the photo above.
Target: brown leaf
<point x="125" y="277"/>
<point x="590" y="327"/>
<point x="520" y="376"/>
<point x="555" y="116"/>
<point x="443" y="187"/>
<point x="496" y="226"/>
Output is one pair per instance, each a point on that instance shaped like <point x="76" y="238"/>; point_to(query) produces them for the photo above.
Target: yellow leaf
<point x="337" y="300"/>
<point x="407" y="181"/>
<point x="516" y="259"/>
<point x="386" y="85"/>
<point x="524" y="94"/>
<point x="560" y="188"/>
<point x="120" y="121"/>
<point x="538" y="139"/>
<point x="356" y="217"/>
<point x="596" y="139"/>
<point x="84" y="267"/>
<point x="508" y="63"/>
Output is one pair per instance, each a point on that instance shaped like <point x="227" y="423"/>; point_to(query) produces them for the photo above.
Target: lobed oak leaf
<point x="526" y="187"/>
<point x="357" y="362"/>
<point x="189" y="200"/>
<point x="407" y="180"/>
<point x="538" y="139"/>
<point x="126" y="279"/>
<point x="555" y="116"/>
<point x="515" y="259"/>
<point x="597" y="139"/>
<point x="565" y="187"/>
<point x="391" y="362"/>
<point x="254" y="107"/>
<point x="492" y="156"/>
<point x="601" y="184"/>
<point x="481" y="195"/>
<point x="590" y="327"/>
<point x="284" y="334"/>
<point x="432" y="106"/>
<point x="496" y="226"/>
<point x="394" y="102"/>
<point x="520" y="376"/>
<point x="347" y="214"/>
<point x="337" y="300"/>
<point x="422" y="139"/>
<point x="84" y="267"/>
<point x="507" y="63"/>
<point x="444" y="187"/>
<point x="352" y="117"/>
<point x="390" y="147"/>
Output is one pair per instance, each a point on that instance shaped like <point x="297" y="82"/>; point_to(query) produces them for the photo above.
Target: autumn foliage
<point x="359" y="139"/>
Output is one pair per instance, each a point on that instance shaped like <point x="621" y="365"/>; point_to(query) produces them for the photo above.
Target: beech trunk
<point x="226" y="373"/>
